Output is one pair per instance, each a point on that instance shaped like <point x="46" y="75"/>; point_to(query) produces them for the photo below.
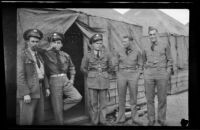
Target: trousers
<point x="97" y="105"/>
<point x="58" y="91"/>
<point x="33" y="112"/>
<point x="127" y="80"/>
<point x="153" y="79"/>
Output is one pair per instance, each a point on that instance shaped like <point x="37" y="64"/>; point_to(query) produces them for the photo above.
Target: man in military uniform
<point x="129" y="68"/>
<point x="158" y="65"/>
<point x="58" y="64"/>
<point x="97" y="65"/>
<point x="31" y="80"/>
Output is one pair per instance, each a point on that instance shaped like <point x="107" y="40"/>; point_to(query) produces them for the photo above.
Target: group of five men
<point x="49" y="68"/>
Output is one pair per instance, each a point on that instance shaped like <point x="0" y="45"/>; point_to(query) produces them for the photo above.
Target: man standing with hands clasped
<point x="97" y="65"/>
<point x="157" y="69"/>
<point x="32" y="79"/>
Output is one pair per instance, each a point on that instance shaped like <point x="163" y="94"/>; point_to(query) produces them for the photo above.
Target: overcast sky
<point x="182" y="15"/>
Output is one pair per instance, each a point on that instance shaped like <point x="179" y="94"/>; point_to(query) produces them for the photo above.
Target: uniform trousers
<point x="58" y="91"/>
<point x="98" y="104"/>
<point x="126" y="79"/>
<point x="156" y="78"/>
<point x="33" y="111"/>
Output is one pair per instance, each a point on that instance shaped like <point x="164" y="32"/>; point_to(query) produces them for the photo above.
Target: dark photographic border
<point x="9" y="40"/>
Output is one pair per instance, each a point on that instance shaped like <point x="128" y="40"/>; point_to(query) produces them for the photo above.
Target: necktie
<point x="37" y="59"/>
<point x="127" y="49"/>
<point x="152" y="47"/>
<point x="98" y="54"/>
<point x="59" y="63"/>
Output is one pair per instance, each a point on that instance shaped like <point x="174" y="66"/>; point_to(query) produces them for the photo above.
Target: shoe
<point x="151" y="123"/>
<point x="137" y="122"/>
<point x="162" y="123"/>
<point x="120" y="122"/>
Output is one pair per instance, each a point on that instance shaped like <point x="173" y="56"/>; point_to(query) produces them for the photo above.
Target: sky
<point x="182" y="15"/>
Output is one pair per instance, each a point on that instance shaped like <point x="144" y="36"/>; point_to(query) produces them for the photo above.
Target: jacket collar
<point x="101" y="55"/>
<point x="29" y="55"/>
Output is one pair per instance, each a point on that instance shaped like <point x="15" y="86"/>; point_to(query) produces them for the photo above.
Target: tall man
<point x="97" y="66"/>
<point x="158" y="65"/>
<point x="129" y="68"/>
<point x="58" y="64"/>
<point x="31" y="80"/>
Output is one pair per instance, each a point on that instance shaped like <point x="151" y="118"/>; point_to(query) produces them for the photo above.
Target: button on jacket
<point x="97" y="69"/>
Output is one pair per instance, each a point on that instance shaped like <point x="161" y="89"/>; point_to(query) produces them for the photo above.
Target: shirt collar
<point x="32" y="52"/>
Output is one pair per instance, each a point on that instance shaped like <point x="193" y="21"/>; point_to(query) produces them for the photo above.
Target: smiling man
<point x="157" y="69"/>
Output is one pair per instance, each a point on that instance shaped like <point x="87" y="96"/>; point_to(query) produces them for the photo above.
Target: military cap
<point x="55" y="36"/>
<point x="96" y="37"/>
<point x="32" y="33"/>
<point x="152" y="28"/>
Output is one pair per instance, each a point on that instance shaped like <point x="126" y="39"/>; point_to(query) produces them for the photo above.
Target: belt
<point x="98" y="69"/>
<point x="57" y="75"/>
<point x="128" y="69"/>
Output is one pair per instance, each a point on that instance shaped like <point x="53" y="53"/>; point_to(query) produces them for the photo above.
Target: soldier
<point x="32" y="78"/>
<point x="158" y="65"/>
<point x="97" y="66"/>
<point x="58" y="64"/>
<point x="129" y="68"/>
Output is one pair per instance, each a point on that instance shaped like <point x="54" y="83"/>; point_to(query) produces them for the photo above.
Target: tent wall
<point x="182" y="52"/>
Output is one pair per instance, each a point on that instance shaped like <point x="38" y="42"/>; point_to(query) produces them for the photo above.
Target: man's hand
<point x="27" y="99"/>
<point x="71" y="81"/>
<point x="47" y="92"/>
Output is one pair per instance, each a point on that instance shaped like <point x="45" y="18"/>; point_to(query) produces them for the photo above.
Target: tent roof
<point x="155" y="17"/>
<point x="101" y="12"/>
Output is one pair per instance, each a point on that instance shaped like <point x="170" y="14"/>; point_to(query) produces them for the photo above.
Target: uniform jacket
<point x="97" y="70"/>
<point x="132" y="61"/>
<point x="28" y="82"/>
<point x="159" y="58"/>
<point x="52" y="65"/>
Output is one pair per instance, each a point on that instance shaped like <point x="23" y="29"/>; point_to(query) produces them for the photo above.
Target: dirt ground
<point x="177" y="109"/>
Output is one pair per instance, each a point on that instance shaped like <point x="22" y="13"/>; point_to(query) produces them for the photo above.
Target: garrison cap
<point x="152" y="28"/>
<point x="32" y="33"/>
<point x="55" y="36"/>
<point x="96" y="37"/>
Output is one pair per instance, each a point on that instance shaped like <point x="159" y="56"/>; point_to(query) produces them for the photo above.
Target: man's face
<point x="33" y="42"/>
<point x="57" y="44"/>
<point x="97" y="45"/>
<point x="125" y="42"/>
<point x="153" y="35"/>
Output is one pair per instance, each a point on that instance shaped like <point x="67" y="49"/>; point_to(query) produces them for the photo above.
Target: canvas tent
<point x="157" y="18"/>
<point x="78" y="25"/>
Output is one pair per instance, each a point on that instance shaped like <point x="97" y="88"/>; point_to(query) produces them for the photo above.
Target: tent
<point x="157" y="18"/>
<point x="77" y="25"/>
